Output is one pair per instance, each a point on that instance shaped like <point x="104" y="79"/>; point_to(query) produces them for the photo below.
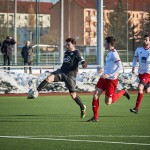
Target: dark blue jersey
<point x="71" y="62"/>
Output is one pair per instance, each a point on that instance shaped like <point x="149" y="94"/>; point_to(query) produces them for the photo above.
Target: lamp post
<point x="100" y="51"/>
<point x="15" y="30"/>
<point x="61" y="43"/>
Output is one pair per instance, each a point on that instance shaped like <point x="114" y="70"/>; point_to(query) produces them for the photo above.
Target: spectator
<point x="6" y="50"/>
<point x="27" y="54"/>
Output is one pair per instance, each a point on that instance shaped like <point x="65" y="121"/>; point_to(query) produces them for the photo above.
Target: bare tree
<point x="31" y="21"/>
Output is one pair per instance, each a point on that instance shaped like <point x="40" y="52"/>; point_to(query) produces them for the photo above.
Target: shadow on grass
<point x="39" y="118"/>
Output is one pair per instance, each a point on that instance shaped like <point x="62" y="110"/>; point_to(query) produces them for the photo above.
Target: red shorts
<point x="108" y="85"/>
<point x="144" y="78"/>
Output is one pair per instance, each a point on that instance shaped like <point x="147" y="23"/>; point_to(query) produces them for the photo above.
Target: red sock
<point x="138" y="101"/>
<point x="95" y="106"/>
<point x="117" y="95"/>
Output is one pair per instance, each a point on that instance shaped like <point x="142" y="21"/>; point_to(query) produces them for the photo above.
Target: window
<point x="40" y="18"/>
<point x="11" y="17"/>
<point x="1" y="17"/>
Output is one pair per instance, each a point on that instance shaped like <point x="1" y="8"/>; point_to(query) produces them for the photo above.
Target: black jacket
<point x="7" y="47"/>
<point x="27" y="54"/>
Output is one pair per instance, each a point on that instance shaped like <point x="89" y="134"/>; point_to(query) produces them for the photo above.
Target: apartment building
<point x="80" y="19"/>
<point x="29" y="17"/>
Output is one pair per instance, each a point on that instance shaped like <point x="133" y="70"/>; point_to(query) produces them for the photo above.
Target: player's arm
<point x="84" y="64"/>
<point x="81" y="60"/>
<point x="134" y="61"/>
<point x="116" y="59"/>
<point x="118" y="68"/>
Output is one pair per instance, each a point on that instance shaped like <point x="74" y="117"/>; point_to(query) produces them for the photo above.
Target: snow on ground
<point x="15" y="82"/>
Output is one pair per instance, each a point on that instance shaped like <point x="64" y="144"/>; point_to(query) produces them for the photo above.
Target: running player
<point x="109" y="79"/>
<point x="142" y="54"/>
<point x="67" y="73"/>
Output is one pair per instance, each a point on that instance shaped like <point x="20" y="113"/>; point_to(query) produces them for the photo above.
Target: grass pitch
<point x="53" y="123"/>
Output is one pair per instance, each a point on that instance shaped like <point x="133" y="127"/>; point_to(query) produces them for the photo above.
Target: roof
<point x="25" y="7"/>
<point x="87" y="3"/>
<point x="134" y="5"/>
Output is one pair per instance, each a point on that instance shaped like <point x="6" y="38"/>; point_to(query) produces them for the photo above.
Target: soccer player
<point x="142" y="54"/>
<point x="67" y="73"/>
<point x="109" y="79"/>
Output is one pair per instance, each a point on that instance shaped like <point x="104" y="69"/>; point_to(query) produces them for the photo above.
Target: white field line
<point x="71" y="140"/>
<point x="110" y="136"/>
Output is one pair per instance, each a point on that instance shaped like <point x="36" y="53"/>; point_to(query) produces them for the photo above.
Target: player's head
<point x="109" y="42"/>
<point x="70" y="43"/>
<point x="146" y="42"/>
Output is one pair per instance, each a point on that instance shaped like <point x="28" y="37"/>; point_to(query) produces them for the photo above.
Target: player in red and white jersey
<point x="142" y="54"/>
<point x="109" y="79"/>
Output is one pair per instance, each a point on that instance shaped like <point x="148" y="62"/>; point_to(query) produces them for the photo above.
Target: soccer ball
<point x="32" y="94"/>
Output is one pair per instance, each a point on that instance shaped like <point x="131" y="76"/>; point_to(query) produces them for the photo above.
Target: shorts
<point x="108" y="85"/>
<point x="70" y="81"/>
<point x="144" y="78"/>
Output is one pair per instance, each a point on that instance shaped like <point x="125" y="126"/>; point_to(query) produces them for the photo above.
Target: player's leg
<point x="144" y="79"/>
<point x="120" y="93"/>
<point x="111" y="96"/>
<point x="53" y="77"/>
<point x="70" y="82"/>
<point x="139" y="98"/>
<point x="95" y="103"/>
<point x="44" y="83"/>
<point x="78" y="101"/>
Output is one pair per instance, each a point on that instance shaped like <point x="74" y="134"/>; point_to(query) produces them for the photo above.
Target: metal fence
<point x="52" y="57"/>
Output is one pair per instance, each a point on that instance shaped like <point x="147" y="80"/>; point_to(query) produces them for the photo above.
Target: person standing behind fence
<point x="6" y="50"/>
<point x="27" y="54"/>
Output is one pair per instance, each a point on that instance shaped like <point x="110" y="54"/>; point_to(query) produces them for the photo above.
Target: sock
<point x="95" y="106"/>
<point x="138" y="101"/>
<point x="42" y="85"/>
<point x="79" y="102"/>
<point x="117" y="95"/>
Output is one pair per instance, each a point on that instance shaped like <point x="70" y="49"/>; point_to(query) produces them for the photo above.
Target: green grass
<point x="53" y="123"/>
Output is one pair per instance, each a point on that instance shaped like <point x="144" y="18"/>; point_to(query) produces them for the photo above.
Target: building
<point x="80" y="19"/>
<point x="29" y="17"/>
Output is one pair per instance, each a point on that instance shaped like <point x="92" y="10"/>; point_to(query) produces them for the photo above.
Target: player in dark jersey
<point x="67" y="73"/>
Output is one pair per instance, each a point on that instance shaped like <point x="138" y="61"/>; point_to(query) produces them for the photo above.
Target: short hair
<point x="72" y="40"/>
<point x="8" y="37"/>
<point x="110" y="39"/>
<point x="145" y="36"/>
